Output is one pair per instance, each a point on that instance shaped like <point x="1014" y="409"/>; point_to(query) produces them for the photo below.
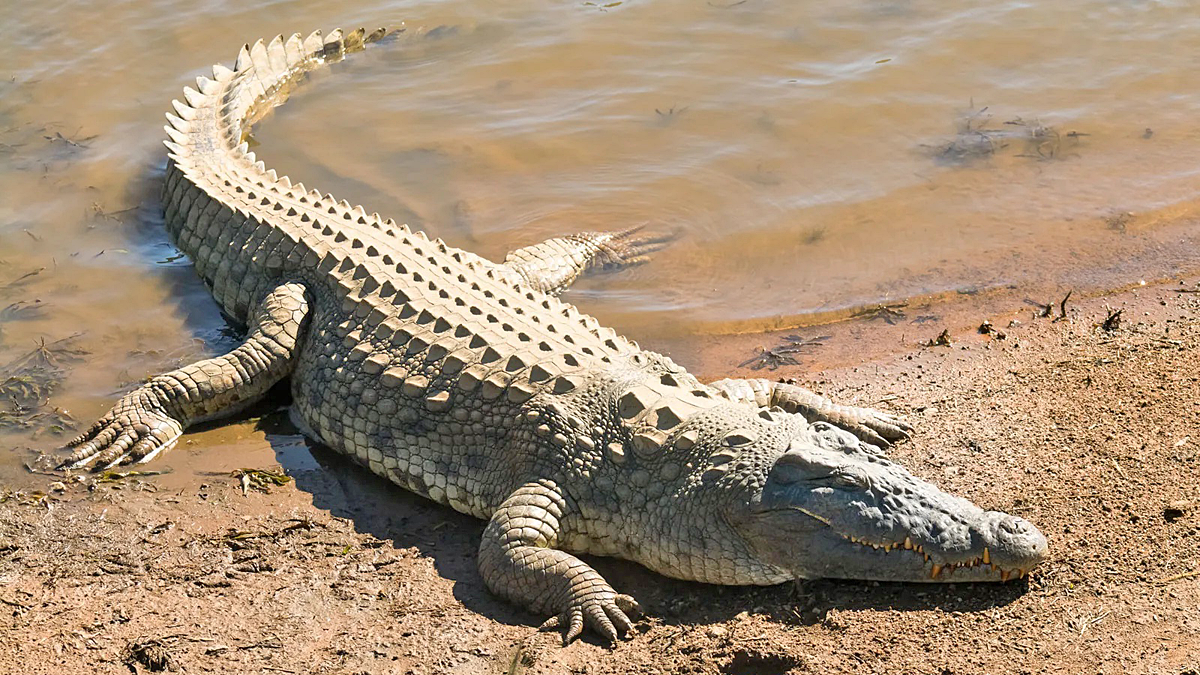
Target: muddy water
<point x="813" y="158"/>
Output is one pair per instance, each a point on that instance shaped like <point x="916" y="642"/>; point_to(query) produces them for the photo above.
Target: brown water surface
<point x="814" y="158"/>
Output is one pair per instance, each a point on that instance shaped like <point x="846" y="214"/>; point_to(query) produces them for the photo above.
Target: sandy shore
<point x="1090" y="433"/>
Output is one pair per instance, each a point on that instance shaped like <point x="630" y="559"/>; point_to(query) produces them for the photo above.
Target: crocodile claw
<point x="874" y="427"/>
<point x="133" y="432"/>
<point x="623" y="249"/>
<point x="607" y="616"/>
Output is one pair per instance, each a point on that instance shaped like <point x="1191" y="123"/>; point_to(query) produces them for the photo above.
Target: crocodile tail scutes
<point x="209" y="125"/>
<point x="215" y="192"/>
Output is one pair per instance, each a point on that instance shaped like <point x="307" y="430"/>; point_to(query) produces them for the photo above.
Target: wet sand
<point x="1090" y="433"/>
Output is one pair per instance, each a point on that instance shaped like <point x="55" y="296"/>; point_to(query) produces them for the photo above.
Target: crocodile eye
<point x="849" y="478"/>
<point x="796" y="467"/>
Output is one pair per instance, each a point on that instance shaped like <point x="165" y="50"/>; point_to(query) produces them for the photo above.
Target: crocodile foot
<point x="626" y="248"/>
<point x="134" y="431"/>
<point x="606" y="613"/>
<point x="871" y="426"/>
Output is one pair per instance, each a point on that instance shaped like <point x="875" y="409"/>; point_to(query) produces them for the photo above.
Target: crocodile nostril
<point x="1014" y="538"/>
<point x="1018" y="527"/>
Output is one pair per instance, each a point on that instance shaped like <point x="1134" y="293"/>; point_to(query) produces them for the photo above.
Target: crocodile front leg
<point x="518" y="561"/>
<point x="151" y="418"/>
<point x="555" y="264"/>
<point x="869" y="425"/>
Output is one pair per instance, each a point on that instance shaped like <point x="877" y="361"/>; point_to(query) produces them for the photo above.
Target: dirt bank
<point x="1090" y="433"/>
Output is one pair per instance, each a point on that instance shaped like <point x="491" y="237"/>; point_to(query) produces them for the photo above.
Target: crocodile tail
<point x="208" y="129"/>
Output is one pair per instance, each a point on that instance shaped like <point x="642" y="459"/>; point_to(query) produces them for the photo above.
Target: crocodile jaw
<point x="999" y="548"/>
<point x="844" y="512"/>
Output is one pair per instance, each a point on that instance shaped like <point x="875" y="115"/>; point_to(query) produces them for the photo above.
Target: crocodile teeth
<point x="908" y="543"/>
<point x="987" y="557"/>
<point x="937" y="569"/>
<point x="1004" y="574"/>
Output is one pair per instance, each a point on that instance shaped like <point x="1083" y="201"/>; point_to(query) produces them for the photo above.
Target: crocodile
<point x="472" y="383"/>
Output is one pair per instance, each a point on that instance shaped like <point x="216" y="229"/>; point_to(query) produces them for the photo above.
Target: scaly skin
<point x="470" y="383"/>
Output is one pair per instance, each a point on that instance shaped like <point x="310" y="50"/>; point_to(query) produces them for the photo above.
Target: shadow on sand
<point x="380" y="509"/>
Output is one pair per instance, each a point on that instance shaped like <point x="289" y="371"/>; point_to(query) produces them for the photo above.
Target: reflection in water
<point x="816" y="158"/>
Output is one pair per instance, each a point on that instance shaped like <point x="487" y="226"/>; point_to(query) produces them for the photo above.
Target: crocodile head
<point x="831" y="507"/>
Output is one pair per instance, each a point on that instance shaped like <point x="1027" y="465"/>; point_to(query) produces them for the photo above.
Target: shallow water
<point x="813" y="158"/>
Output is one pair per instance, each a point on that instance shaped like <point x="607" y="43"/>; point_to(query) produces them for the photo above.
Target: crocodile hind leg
<point x="869" y="425"/>
<point x="151" y="418"/>
<point x="518" y="561"/>
<point x="555" y="264"/>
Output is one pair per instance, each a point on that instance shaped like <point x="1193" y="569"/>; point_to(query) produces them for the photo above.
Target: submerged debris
<point x="119" y="476"/>
<point x="973" y="140"/>
<point x="605" y="6"/>
<point x="261" y="479"/>
<point x="783" y="354"/>
<point x="97" y="212"/>
<point x="976" y="140"/>
<point x="1119" y="221"/>
<point x="665" y="117"/>
<point x="26" y="384"/>
<point x="21" y="280"/>
<point x="1041" y="141"/>
<point x="889" y="313"/>
<point x="21" y="310"/>
<point x="59" y="147"/>
<point x="58" y="139"/>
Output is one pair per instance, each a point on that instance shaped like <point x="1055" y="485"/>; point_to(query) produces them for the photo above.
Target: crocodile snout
<point x="1013" y="542"/>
